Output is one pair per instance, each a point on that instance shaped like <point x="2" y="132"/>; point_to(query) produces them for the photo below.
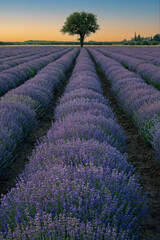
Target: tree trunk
<point x="81" y="40"/>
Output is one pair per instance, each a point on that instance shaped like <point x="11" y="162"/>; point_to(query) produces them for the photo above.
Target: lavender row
<point x="13" y="77"/>
<point x="21" y="54"/>
<point x="20" y="59"/>
<point x="139" y="100"/>
<point x="149" y="72"/>
<point x="22" y="106"/>
<point x="84" y="97"/>
<point x="76" y="185"/>
<point x="147" y="54"/>
<point x="11" y="53"/>
<point x="38" y="91"/>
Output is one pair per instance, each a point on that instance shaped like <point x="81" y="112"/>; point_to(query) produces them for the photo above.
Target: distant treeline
<point x="137" y="40"/>
<point x="32" y="42"/>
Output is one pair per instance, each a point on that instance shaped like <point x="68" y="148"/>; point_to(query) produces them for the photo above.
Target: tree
<point x="145" y="42"/>
<point x="139" y="38"/>
<point x="82" y="24"/>
<point x="157" y="38"/>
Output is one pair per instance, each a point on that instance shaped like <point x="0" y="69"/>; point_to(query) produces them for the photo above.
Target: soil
<point x="9" y="178"/>
<point x="141" y="156"/>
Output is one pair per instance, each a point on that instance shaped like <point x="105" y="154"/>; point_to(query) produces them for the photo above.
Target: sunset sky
<point x="22" y="20"/>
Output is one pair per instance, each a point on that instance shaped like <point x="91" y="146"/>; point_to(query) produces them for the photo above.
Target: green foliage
<point x="132" y="42"/>
<point x="148" y="129"/>
<point x="98" y="69"/>
<point x="81" y="24"/>
<point x="139" y="38"/>
<point x="155" y="42"/>
<point x="145" y="42"/>
<point x="138" y="43"/>
<point x="157" y="38"/>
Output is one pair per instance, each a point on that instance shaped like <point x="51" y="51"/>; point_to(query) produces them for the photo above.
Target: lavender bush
<point x="146" y="54"/>
<point x="99" y="196"/>
<point x="27" y="103"/>
<point x="77" y="152"/>
<point x="26" y="57"/>
<point x="43" y="227"/>
<point x="83" y="105"/>
<point x="75" y="185"/>
<point x="16" y="122"/>
<point x="82" y="93"/>
<point x="145" y="69"/>
<point x="21" y="73"/>
<point x="88" y="126"/>
<point x="138" y="99"/>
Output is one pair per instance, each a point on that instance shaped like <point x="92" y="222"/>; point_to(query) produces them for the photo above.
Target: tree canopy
<point x="157" y="37"/>
<point x="82" y="24"/>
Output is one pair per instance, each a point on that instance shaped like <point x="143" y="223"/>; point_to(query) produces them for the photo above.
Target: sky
<point x="22" y="20"/>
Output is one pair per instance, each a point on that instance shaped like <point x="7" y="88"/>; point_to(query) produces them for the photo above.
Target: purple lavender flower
<point x="138" y="99"/>
<point x="16" y="121"/>
<point x="88" y="126"/>
<point x="145" y="69"/>
<point x="75" y="186"/>
<point x="77" y="152"/>
<point x="83" y="105"/>
<point x="21" y="106"/>
<point x="19" y="74"/>
<point x="90" y="194"/>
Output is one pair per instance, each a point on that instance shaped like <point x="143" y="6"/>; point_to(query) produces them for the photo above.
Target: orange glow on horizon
<point x="15" y="30"/>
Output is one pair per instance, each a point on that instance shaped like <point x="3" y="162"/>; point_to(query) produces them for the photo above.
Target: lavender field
<point x="80" y="143"/>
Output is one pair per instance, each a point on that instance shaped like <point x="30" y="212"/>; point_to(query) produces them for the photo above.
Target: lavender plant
<point x="18" y="75"/>
<point x="88" y="126"/>
<point x="76" y="185"/>
<point x="16" y="122"/>
<point x="138" y="99"/>
<point x="145" y="69"/>
<point x="27" y="103"/>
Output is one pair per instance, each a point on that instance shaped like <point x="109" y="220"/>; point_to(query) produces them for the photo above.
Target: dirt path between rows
<point x="8" y="180"/>
<point x="142" y="158"/>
